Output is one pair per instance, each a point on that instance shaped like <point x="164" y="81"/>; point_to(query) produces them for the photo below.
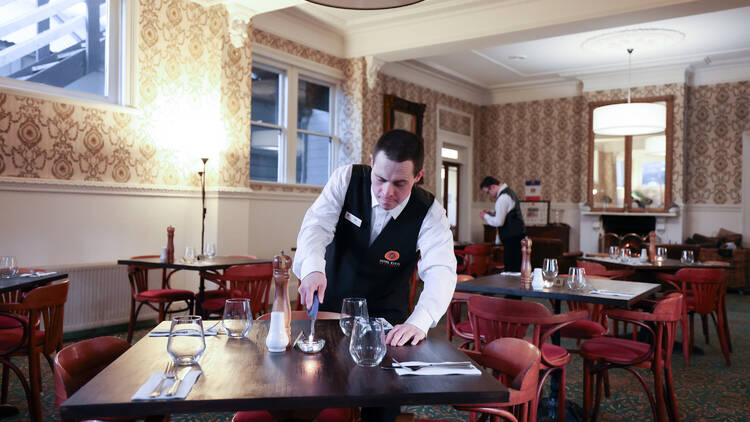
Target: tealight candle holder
<point x="311" y="345"/>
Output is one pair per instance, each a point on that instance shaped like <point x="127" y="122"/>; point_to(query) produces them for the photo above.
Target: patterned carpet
<point x="708" y="390"/>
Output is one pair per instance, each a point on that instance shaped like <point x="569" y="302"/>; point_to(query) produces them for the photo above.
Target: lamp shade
<point x="630" y="119"/>
<point x="365" y="4"/>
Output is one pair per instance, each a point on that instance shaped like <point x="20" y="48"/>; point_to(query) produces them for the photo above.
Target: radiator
<point x="99" y="296"/>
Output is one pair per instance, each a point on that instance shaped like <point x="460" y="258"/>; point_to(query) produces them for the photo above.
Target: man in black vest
<point x="507" y="216"/>
<point x="365" y="233"/>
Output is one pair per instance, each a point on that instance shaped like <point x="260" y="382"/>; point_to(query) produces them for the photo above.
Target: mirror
<point x="402" y="114"/>
<point x="631" y="173"/>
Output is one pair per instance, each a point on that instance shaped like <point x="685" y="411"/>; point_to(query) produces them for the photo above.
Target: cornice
<point x="423" y="75"/>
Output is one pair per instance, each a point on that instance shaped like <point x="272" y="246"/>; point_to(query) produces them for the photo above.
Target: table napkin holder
<point x="526" y="263"/>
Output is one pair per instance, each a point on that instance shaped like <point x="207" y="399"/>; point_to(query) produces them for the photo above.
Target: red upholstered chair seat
<point x="12" y="336"/>
<point x="253" y="416"/>
<point x="583" y="329"/>
<point x="8" y="322"/>
<point x="165" y="295"/>
<point x="617" y="350"/>
<point x="464" y="326"/>
<point x="555" y="355"/>
<point x="325" y="415"/>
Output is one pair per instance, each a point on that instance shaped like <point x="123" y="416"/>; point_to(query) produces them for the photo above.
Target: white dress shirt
<point x="436" y="267"/>
<point x="503" y="205"/>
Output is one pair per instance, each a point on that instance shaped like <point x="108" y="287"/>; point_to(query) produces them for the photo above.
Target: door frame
<point x="465" y="146"/>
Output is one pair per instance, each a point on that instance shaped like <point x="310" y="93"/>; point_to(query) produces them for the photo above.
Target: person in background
<point x="508" y="218"/>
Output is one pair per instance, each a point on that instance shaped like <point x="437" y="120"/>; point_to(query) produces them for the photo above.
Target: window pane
<point x="314" y="107"/>
<point x="264" y="153"/>
<point x="649" y="169"/>
<point x="266" y="96"/>
<point x="609" y="172"/>
<point x="48" y="43"/>
<point x="313" y="156"/>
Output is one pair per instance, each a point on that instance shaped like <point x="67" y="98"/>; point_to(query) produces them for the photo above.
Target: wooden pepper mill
<point x="170" y="244"/>
<point x="652" y="247"/>
<point x="526" y="263"/>
<point x="281" y="265"/>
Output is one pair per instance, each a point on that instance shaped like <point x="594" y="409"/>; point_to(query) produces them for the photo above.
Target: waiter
<point x="508" y="217"/>
<point x="363" y="236"/>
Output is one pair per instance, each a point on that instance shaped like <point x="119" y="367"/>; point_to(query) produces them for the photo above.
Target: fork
<point x="169" y="372"/>
<point x="427" y="365"/>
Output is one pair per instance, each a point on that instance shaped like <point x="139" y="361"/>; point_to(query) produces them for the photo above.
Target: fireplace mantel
<point x="669" y="226"/>
<point x="633" y="214"/>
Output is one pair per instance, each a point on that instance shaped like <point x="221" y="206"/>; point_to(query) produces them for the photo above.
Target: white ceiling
<point x="472" y="40"/>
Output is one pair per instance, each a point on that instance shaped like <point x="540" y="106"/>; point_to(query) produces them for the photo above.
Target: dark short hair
<point x="399" y="146"/>
<point x="488" y="181"/>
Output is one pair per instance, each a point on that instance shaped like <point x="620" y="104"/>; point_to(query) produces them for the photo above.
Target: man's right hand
<point x="313" y="282"/>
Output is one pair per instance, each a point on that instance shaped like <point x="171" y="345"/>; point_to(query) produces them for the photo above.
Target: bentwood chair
<point x="11" y="341"/>
<point x="476" y="260"/>
<point x="42" y="306"/>
<point x="455" y="326"/>
<point x="78" y="363"/>
<point x="159" y="300"/>
<point x="705" y="294"/>
<point x="516" y="363"/>
<point x="492" y="318"/>
<point x="594" y="268"/>
<point x="242" y="281"/>
<point x="325" y="415"/>
<point x="603" y="354"/>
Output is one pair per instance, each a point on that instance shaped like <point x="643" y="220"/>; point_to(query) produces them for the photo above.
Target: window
<point x="291" y="138"/>
<point x="65" y="47"/>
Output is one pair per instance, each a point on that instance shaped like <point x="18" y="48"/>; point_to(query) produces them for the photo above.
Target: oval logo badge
<point x="392" y="255"/>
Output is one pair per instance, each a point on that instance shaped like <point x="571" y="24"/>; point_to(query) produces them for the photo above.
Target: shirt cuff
<point x="311" y="265"/>
<point x="421" y="319"/>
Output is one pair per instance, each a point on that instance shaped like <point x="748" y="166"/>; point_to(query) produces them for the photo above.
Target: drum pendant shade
<point x="630" y="119"/>
<point x="364" y="4"/>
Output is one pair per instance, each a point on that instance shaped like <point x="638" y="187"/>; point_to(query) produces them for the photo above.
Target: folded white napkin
<point x="165" y="333"/>
<point x="37" y="274"/>
<point x="386" y="325"/>
<point x="509" y="273"/>
<point x="609" y="293"/>
<point x="182" y="391"/>
<point x="436" y="370"/>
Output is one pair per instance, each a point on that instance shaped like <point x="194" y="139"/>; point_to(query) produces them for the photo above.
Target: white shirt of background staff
<point x="503" y="205"/>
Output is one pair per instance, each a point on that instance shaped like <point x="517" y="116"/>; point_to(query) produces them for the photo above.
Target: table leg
<point x="201" y="295"/>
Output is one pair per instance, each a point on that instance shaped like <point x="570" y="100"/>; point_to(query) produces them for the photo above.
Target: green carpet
<point x="708" y="390"/>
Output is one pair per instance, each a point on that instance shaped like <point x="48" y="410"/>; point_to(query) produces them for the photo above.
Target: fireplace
<point x="627" y="228"/>
<point x="626" y="231"/>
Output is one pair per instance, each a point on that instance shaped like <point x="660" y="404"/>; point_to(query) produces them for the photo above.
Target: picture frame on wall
<point x="535" y="213"/>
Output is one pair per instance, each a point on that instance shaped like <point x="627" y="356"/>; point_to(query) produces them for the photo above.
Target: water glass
<point x="687" y="257"/>
<point x="189" y="255"/>
<point x="614" y="252"/>
<point x="351" y="308"/>
<point x="238" y="318"/>
<point x="367" y="343"/>
<point x="210" y="250"/>
<point x="186" y="343"/>
<point x="549" y="272"/>
<point x="8" y="267"/>
<point x="625" y="254"/>
<point x="576" y="278"/>
<point x="661" y="254"/>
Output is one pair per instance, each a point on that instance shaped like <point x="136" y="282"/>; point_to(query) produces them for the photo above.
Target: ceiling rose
<point x="365" y="4"/>
<point x="644" y="39"/>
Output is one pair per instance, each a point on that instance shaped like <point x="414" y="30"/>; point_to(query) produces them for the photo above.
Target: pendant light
<point x="365" y="4"/>
<point x="627" y="119"/>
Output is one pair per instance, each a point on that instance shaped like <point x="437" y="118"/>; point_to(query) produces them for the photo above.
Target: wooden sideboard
<point x="551" y="231"/>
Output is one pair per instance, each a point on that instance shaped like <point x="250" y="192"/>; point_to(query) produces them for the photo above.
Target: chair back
<point x="138" y="276"/>
<point x="592" y="268"/>
<point x="493" y="318"/>
<point x="705" y="284"/>
<point x="302" y="315"/>
<point x="247" y="281"/>
<point x="413" y="284"/>
<point x="478" y="259"/>
<point x="518" y="361"/>
<point x="78" y="363"/>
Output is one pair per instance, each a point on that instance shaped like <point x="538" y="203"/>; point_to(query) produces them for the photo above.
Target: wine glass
<point x="625" y="254"/>
<point x="661" y="254"/>
<point x="186" y="343"/>
<point x="687" y="257"/>
<point x="189" y="254"/>
<point x="8" y="267"/>
<point x="210" y="250"/>
<point x="351" y="308"/>
<point x="238" y="318"/>
<point x="614" y="252"/>
<point x="549" y="272"/>
<point x="576" y="278"/>
<point x="367" y="343"/>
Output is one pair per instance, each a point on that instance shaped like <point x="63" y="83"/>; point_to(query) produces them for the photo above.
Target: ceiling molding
<point x="261" y="51"/>
<point x="300" y="28"/>
<point x="639" y="77"/>
<point x="420" y="74"/>
<point x="720" y="72"/>
<point x="516" y="93"/>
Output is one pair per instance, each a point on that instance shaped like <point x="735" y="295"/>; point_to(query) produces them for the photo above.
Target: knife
<point x="313" y="314"/>
<point x="180" y="376"/>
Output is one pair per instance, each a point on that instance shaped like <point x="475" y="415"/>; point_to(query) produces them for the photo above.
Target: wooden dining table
<point x="645" y="269"/>
<point x="214" y="264"/>
<point x="28" y="282"/>
<point x="241" y="374"/>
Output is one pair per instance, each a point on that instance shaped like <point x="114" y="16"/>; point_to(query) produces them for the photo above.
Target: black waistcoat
<point x="379" y="272"/>
<point x="513" y="226"/>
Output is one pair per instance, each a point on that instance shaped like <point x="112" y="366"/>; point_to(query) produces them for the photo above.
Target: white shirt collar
<point x="395" y="212"/>
<point x="502" y="187"/>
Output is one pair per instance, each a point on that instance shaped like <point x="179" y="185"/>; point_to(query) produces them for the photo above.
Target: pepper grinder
<point x="652" y="247"/>
<point x="526" y="263"/>
<point x="170" y="244"/>
<point x="281" y="265"/>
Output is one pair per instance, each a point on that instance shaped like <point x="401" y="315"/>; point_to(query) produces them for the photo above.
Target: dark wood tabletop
<point x="243" y="375"/>
<point x="218" y="263"/>
<point x="502" y="284"/>
<point x="27" y="283"/>
<point x="635" y="264"/>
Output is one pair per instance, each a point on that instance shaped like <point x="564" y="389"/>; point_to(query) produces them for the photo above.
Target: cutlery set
<point x="170" y="372"/>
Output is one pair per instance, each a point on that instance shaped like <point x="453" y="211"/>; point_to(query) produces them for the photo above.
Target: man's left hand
<point x="402" y="333"/>
<point x="482" y="213"/>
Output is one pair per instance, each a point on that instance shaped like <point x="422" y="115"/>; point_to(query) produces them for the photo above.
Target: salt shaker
<point x="644" y="255"/>
<point x="277" y="339"/>
<point x="537" y="282"/>
<point x="163" y="256"/>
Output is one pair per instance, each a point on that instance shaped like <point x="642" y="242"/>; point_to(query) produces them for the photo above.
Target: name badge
<point x="353" y="219"/>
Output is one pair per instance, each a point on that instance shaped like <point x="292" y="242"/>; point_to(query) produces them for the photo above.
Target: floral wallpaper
<point x="193" y="91"/>
<point x="454" y="122"/>
<point x="716" y="115"/>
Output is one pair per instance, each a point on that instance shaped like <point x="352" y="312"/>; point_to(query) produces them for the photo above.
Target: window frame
<point x="123" y="33"/>
<point x="291" y="72"/>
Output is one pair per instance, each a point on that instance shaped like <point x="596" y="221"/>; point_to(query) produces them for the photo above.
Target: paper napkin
<point x="436" y="370"/>
<point x="182" y="391"/>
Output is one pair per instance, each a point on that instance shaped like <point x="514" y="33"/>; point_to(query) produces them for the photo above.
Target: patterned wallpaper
<point x="193" y="91"/>
<point x="716" y="115"/>
<point x="454" y="122"/>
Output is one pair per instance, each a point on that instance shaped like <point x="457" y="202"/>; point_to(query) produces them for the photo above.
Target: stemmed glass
<point x="614" y="252"/>
<point x="189" y="255"/>
<point x="549" y="272"/>
<point x="210" y="250"/>
<point x="238" y="318"/>
<point x="367" y="344"/>
<point x="351" y="308"/>
<point x="625" y="254"/>
<point x="576" y="278"/>
<point x="8" y="267"/>
<point x="687" y="257"/>
<point x="186" y="343"/>
<point x="661" y="254"/>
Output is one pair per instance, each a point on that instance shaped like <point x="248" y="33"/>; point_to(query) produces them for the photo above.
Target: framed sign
<point x="535" y="213"/>
<point x="399" y="113"/>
